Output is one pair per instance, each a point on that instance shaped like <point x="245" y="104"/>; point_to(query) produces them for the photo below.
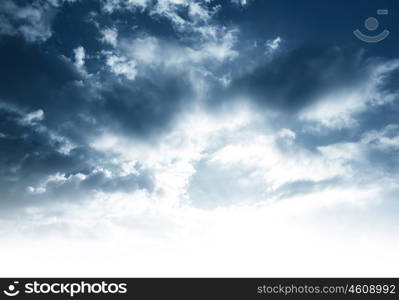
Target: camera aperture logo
<point x="71" y="289"/>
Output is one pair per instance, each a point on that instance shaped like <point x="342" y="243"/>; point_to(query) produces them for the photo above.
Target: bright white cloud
<point x="80" y="55"/>
<point x="150" y="52"/>
<point x="120" y="65"/>
<point x="273" y="45"/>
<point x="211" y="45"/>
<point x="334" y="229"/>
<point x="240" y="2"/>
<point x="110" y="6"/>
<point x="110" y="36"/>
<point x="34" y="116"/>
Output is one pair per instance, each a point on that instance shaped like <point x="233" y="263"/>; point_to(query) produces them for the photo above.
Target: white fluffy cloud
<point x="156" y="53"/>
<point x="110" y="36"/>
<point x="240" y="2"/>
<point x="211" y="46"/>
<point x="273" y="45"/>
<point x="120" y="65"/>
<point x="110" y="6"/>
<point x="80" y="55"/>
<point x="34" y="116"/>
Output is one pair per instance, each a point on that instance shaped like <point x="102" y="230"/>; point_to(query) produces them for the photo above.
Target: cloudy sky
<point x="198" y="138"/>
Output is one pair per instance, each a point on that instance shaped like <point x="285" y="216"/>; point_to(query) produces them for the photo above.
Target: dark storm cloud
<point x="145" y="107"/>
<point x="36" y="79"/>
<point x="31" y="76"/>
<point x="75" y="107"/>
<point x="29" y="156"/>
<point x="300" y="77"/>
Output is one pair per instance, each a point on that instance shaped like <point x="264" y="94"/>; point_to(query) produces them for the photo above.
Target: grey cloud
<point x="381" y="150"/>
<point x="298" y="78"/>
<point x="35" y="79"/>
<point x="56" y="107"/>
<point x="77" y="187"/>
<point x="304" y="187"/>
<point x="32" y="77"/>
<point x="145" y="107"/>
<point x="30" y="156"/>
<point x="32" y="20"/>
<point x="122" y="183"/>
<point x="214" y="186"/>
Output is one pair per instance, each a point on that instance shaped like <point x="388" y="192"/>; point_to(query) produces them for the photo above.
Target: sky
<point x="198" y="138"/>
